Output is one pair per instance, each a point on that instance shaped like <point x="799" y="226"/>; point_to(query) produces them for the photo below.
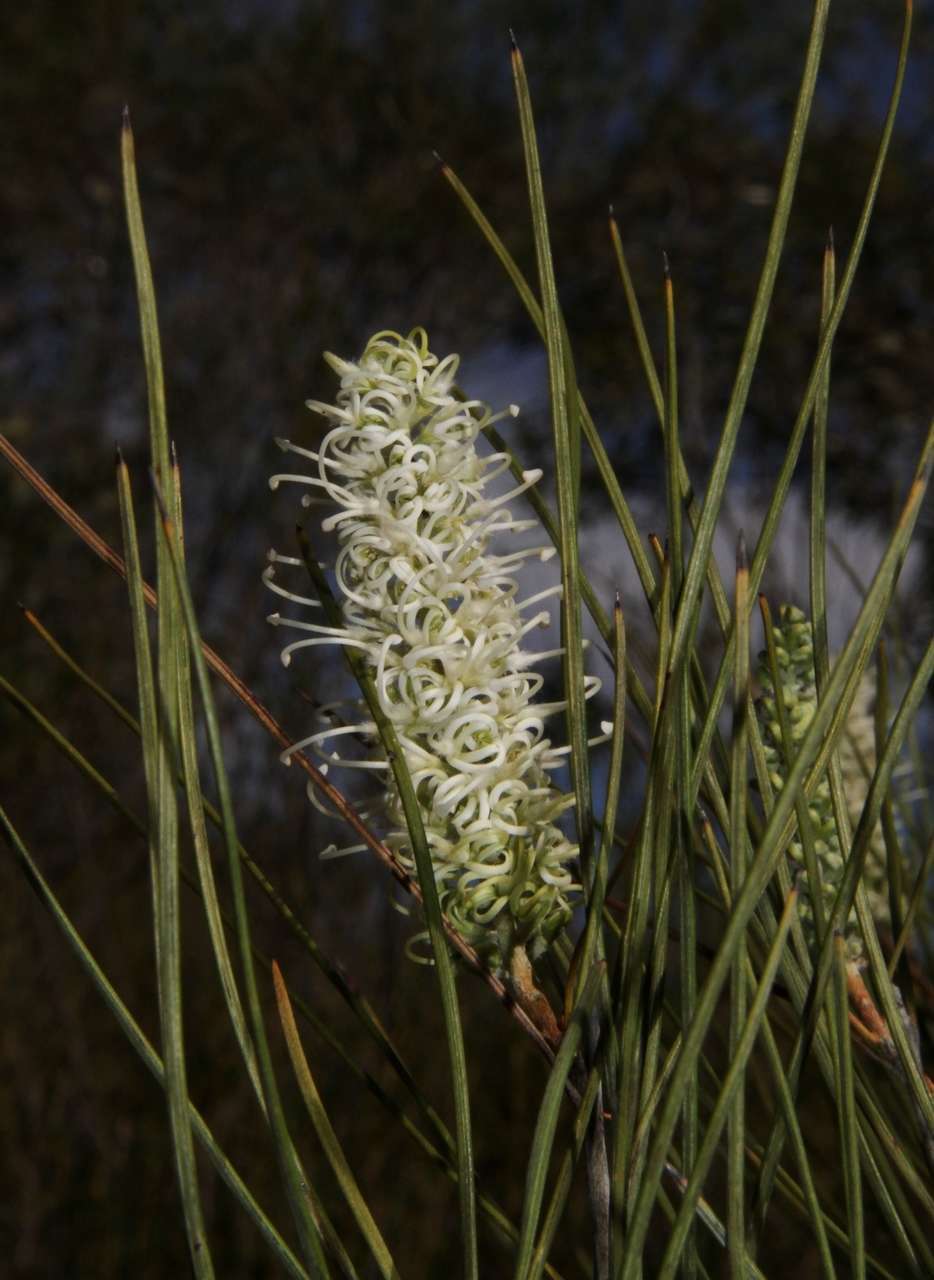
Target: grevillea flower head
<point x="435" y="614"/>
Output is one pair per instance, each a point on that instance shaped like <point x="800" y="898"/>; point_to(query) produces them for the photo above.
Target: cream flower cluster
<point x="436" y="617"/>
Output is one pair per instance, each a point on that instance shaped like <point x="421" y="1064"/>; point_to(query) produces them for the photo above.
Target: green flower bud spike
<point x="857" y="755"/>
<point x="794" y="652"/>
<point x="435" y="615"/>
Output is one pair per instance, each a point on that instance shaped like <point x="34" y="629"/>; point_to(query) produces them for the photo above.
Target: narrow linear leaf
<point x="297" y="1189"/>
<point x="783" y="481"/>
<point x="685" y="488"/>
<point x="158" y="751"/>
<point x="326" y="1135"/>
<point x="145" y="1050"/>
<point x="562" y="1187"/>
<point x="604" y="464"/>
<point x="739" y="787"/>
<point x="565" y="419"/>
<point x="688" y="611"/>
<point x="196" y="815"/>
<point x="732" y="1081"/>
<point x="545" y="1127"/>
<point x="848" y="1121"/>
<point x="164" y="831"/>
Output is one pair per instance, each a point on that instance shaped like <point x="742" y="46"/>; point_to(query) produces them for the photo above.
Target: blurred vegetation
<point x="293" y="204"/>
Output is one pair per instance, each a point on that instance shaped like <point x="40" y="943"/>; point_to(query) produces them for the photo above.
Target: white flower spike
<point x="438" y="620"/>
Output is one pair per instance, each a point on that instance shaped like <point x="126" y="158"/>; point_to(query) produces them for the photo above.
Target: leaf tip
<point x="742" y="558"/>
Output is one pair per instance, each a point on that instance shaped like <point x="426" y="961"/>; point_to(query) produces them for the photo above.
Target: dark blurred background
<point x="293" y="204"/>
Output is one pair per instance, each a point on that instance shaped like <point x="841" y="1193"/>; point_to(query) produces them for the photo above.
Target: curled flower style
<point x="437" y="619"/>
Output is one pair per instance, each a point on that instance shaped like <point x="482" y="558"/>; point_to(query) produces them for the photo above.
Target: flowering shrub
<point x="436" y="616"/>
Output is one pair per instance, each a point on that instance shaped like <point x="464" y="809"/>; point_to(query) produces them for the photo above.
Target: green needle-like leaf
<point x="565" y="425"/>
<point x="145" y="1050"/>
<point x="783" y="481"/>
<point x="546" y="1124"/>
<point x="326" y="1135"/>
<point x="846" y="1110"/>
<point x="739" y="775"/>
<point x="297" y="1188"/>
<point x="161" y="769"/>
<point x="188" y="749"/>
<point x="732" y="1082"/>
<point x="688" y="610"/>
